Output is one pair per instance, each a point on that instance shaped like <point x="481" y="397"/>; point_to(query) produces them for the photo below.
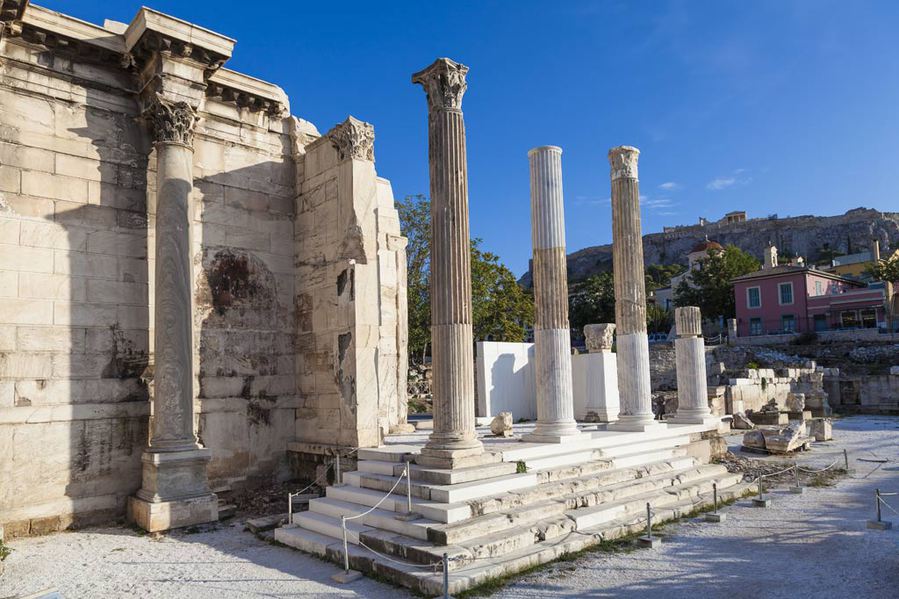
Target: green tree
<point x="710" y="287"/>
<point x="887" y="270"/>
<point x="591" y="301"/>
<point x="501" y="309"/>
<point x="660" y="275"/>
<point x="658" y="319"/>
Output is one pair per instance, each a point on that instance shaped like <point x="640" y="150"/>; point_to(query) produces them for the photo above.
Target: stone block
<point x="27" y="259"/>
<point x="166" y="515"/>
<point x="26" y="311"/>
<point x="501" y="426"/>
<point x="56" y="187"/>
<point x="821" y="429"/>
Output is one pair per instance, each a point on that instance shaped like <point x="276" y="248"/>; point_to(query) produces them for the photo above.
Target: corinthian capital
<point x="623" y="161"/>
<point x="444" y="82"/>
<point x="171" y="121"/>
<point x="354" y="139"/>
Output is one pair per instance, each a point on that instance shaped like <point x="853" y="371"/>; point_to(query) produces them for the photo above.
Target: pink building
<point x="795" y="299"/>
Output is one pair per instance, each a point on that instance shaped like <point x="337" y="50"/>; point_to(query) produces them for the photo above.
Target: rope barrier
<point x="375" y="506"/>
<point x="810" y="471"/>
<point x="432" y="565"/>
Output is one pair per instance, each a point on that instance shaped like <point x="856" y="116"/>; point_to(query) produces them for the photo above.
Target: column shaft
<point x="630" y="294"/>
<point x="454" y="435"/>
<point x="555" y="401"/>
<point x="692" y="389"/>
<point x="173" y="425"/>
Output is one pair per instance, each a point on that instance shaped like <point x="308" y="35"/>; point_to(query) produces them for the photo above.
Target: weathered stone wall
<point x="299" y="282"/>
<point x="350" y="347"/>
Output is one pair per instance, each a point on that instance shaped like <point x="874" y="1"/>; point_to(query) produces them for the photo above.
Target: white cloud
<point x="669" y="186"/>
<point x="719" y="183"/>
<point x="737" y="177"/>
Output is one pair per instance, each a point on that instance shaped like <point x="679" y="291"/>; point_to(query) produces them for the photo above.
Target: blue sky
<point x="765" y="106"/>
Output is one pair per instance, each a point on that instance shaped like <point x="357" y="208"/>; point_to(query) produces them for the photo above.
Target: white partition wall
<point x="506" y="380"/>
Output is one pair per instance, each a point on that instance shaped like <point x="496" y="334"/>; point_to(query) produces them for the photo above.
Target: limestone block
<point x="784" y="440"/>
<point x="9" y="283"/>
<point x="754" y="439"/>
<point x="27" y="259"/>
<point x="821" y="429"/>
<point x="501" y="426"/>
<point x="26" y="311"/>
<point x="10" y="179"/>
<point x="59" y="339"/>
<point x="7" y="337"/>
<point x="56" y="187"/>
<point x="52" y="235"/>
<point x="82" y="314"/>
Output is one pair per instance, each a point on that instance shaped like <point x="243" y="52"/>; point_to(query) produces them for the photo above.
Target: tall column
<point x="454" y="437"/>
<point x="552" y="339"/>
<point x="692" y="390"/>
<point x="630" y="294"/>
<point x="175" y="490"/>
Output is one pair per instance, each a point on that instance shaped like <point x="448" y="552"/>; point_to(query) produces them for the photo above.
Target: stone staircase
<point x="526" y="505"/>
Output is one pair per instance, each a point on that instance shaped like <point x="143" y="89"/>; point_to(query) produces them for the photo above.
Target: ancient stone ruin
<point x="198" y="291"/>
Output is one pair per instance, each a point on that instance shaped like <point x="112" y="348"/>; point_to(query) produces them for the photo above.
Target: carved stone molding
<point x="354" y="139"/>
<point x="599" y="337"/>
<point x="623" y="161"/>
<point x="153" y="42"/>
<point x="444" y="82"/>
<point x="171" y="121"/>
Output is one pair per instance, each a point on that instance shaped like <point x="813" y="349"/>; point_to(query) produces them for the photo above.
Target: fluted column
<point x="454" y="435"/>
<point x="552" y="339"/>
<point x="630" y="294"/>
<point x="175" y="490"/>
<point x="692" y="390"/>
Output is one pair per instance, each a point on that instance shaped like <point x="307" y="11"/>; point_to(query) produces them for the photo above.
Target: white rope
<point x="891" y="508"/>
<point x="810" y="471"/>
<point x="432" y="565"/>
<point x="776" y="473"/>
<point x="375" y="506"/>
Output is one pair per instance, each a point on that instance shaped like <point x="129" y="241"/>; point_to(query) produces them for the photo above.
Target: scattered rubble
<point x="742" y="422"/>
<point x="782" y="439"/>
<point x="501" y="425"/>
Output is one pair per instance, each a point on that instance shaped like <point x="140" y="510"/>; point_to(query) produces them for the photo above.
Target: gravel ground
<point x="810" y="545"/>
<point x="805" y="545"/>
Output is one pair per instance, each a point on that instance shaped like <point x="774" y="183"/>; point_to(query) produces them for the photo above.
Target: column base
<point x="175" y="490"/>
<point x="600" y="415"/>
<point x="705" y="419"/>
<point x="552" y="434"/>
<point x="166" y="515"/>
<point x="449" y="459"/>
<point x="639" y="424"/>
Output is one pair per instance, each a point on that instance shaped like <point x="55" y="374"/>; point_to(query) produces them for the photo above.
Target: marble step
<point x="667" y="491"/>
<point x="639" y="458"/>
<point x="378" y="518"/>
<point x="652" y="445"/>
<point x="329" y="526"/>
<point x="442" y="512"/>
<point x="466" y="491"/>
<point x="426" y="581"/>
<point x="658" y="498"/>
<point x="563" y="459"/>
<point x="438" y="476"/>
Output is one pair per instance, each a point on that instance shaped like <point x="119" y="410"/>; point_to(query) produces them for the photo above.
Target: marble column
<point x="552" y="339"/>
<point x="731" y="331"/>
<point x="692" y="390"/>
<point x="630" y="295"/>
<point x="175" y="490"/>
<point x="454" y="438"/>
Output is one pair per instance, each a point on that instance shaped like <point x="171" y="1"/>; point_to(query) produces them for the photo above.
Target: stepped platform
<point x="524" y="504"/>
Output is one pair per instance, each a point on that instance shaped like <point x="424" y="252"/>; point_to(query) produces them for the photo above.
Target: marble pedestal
<point x="174" y="492"/>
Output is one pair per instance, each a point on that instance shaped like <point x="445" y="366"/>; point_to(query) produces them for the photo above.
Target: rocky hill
<point x="816" y="238"/>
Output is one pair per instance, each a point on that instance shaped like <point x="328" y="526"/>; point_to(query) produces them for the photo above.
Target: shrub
<point x="806" y="338"/>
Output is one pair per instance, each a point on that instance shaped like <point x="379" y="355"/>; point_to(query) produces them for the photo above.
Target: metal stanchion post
<point x="879" y="524"/>
<point x="290" y="508"/>
<point x="337" y="469"/>
<point x="346" y="575"/>
<point x="649" y="540"/>
<point x="715" y="516"/>
<point x="846" y="462"/>
<point x="445" y="576"/>
<point x="409" y="515"/>
<point x="797" y="487"/>
<point x="760" y="501"/>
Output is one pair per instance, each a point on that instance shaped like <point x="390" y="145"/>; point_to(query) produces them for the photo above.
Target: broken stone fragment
<point x="785" y="440"/>
<point x="742" y="422"/>
<point x="501" y="426"/>
<point x="754" y="439"/>
<point x="795" y="402"/>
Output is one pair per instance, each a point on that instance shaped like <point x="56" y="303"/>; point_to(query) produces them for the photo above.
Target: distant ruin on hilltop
<point x="816" y="238"/>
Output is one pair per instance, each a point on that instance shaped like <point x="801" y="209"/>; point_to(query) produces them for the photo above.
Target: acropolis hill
<point x="812" y="237"/>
